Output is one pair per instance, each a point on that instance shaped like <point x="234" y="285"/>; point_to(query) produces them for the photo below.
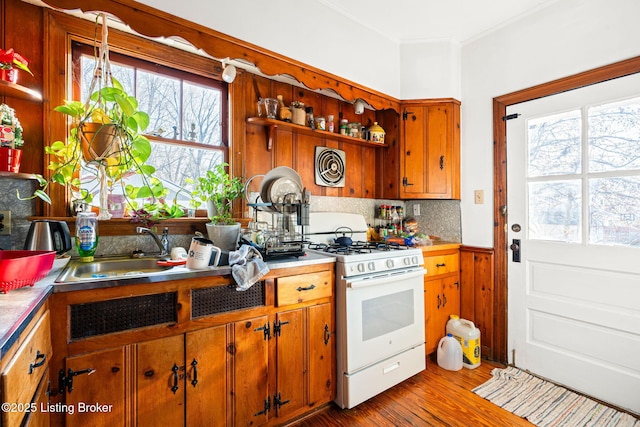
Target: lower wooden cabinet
<point x="267" y="362"/>
<point x="96" y="378"/>
<point x="297" y="353"/>
<point x="441" y="294"/>
<point x="24" y="376"/>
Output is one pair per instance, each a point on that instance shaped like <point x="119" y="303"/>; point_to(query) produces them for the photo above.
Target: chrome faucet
<point x="162" y="244"/>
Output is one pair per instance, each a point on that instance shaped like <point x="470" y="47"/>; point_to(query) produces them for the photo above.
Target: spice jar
<point x="310" y="120"/>
<point x="330" y="124"/>
<point x="343" y="126"/>
<point x="321" y="124"/>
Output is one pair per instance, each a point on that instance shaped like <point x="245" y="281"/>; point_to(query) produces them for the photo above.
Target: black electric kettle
<point x="48" y="235"/>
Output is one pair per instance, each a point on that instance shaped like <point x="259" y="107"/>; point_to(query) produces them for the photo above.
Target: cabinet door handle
<point x="327" y="334"/>
<point x="39" y="361"/>
<point x="194" y="363"/>
<point x="308" y="288"/>
<point x="175" y="369"/>
<point x="441" y="265"/>
<point x="444" y="300"/>
<point x="439" y="300"/>
<point x="441" y="162"/>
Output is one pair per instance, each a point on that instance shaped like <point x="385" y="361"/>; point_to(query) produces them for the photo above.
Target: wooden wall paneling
<point x="369" y="172"/>
<point x="22" y="29"/>
<point x="283" y="149"/>
<point x="477" y="295"/>
<point x="305" y="161"/>
<point x="354" y="170"/>
<point x="388" y="159"/>
<point x="467" y="284"/>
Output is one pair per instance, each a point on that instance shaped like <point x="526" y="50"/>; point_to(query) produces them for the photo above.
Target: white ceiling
<point x="408" y="21"/>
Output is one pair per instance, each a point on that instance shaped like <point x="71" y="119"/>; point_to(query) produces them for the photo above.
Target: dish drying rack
<point x="282" y="241"/>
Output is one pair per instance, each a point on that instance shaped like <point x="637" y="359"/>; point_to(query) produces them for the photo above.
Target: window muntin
<point x="178" y="103"/>
<point x="603" y="194"/>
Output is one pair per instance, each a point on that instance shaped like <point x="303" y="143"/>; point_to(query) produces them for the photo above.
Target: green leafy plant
<point x="110" y="110"/>
<point x="221" y="189"/>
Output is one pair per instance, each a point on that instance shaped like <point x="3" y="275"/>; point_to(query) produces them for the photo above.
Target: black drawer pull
<point x="441" y="265"/>
<point x="300" y="288"/>
<point x="39" y="361"/>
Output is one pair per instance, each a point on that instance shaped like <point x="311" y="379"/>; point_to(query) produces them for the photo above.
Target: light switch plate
<point x="6" y="222"/>
<point x="416" y="210"/>
<point x="478" y="197"/>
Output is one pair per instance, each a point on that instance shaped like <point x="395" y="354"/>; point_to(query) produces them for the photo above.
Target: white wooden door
<point x="574" y="195"/>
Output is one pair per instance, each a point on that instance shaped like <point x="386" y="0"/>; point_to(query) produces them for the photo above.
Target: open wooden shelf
<point x="18" y="91"/>
<point x="19" y="175"/>
<point x="272" y="124"/>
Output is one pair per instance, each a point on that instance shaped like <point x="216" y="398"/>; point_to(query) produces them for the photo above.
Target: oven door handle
<point x="361" y="282"/>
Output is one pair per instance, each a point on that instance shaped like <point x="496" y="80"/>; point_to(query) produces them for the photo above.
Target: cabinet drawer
<point x="24" y="371"/>
<point x="304" y="287"/>
<point x="442" y="264"/>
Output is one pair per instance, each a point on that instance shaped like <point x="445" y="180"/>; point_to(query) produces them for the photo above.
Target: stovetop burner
<point x="357" y="247"/>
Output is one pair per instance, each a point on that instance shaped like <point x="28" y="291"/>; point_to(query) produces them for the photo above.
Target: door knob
<point x="515" y="247"/>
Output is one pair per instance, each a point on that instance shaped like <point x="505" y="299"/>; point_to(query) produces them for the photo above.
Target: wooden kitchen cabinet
<point x="441" y="294"/>
<point x="299" y="351"/>
<point x="25" y="376"/>
<point x="430" y="149"/>
<point x="205" y="355"/>
<point x="98" y="377"/>
<point x="177" y="378"/>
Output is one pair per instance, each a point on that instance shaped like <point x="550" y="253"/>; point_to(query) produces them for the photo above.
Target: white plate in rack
<point x="273" y="175"/>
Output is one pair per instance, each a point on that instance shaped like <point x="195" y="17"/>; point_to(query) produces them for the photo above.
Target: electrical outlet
<point x="416" y="210"/>
<point x="5" y="222"/>
<point x="478" y="197"/>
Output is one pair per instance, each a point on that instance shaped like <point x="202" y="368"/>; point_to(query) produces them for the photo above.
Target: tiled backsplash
<point x="437" y="217"/>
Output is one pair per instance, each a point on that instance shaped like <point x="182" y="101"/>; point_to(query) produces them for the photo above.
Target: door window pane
<point x="555" y="144"/>
<point x="614" y="136"/>
<point x="615" y="211"/>
<point x="555" y="210"/>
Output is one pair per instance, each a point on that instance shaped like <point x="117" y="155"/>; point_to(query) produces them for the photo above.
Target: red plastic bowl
<point x="23" y="268"/>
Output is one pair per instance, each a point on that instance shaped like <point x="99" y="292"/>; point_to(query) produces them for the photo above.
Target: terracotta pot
<point x="10" y="75"/>
<point x="10" y="159"/>
<point x="99" y="141"/>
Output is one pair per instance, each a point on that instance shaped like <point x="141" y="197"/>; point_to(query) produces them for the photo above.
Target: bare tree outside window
<point x="559" y="183"/>
<point x="179" y="111"/>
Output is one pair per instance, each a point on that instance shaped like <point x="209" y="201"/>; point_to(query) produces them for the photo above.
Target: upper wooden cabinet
<point x="430" y="150"/>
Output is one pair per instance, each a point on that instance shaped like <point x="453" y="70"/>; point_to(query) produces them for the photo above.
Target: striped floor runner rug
<point x="547" y="405"/>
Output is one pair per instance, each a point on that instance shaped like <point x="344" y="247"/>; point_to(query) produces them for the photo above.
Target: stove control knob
<point x="372" y="266"/>
<point x="407" y="261"/>
<point x="415" y="260"/>
<point x="361" y="268"/>
<point x="390" y="263"/>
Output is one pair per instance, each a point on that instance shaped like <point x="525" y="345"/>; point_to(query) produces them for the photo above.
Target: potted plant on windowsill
<point x="106" y="160"/>
<point x="220" y="189"/>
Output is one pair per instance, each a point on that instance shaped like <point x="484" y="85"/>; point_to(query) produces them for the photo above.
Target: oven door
<point x="384" y="316"/>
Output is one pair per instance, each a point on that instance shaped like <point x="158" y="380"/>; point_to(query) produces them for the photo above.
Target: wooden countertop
<point x="439" y="246"/>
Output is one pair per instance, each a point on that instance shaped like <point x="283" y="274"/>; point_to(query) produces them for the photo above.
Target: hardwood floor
<point x="435" y="397"/>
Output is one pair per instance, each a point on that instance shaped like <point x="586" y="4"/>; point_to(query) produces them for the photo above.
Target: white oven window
<point x="386" y="314"/>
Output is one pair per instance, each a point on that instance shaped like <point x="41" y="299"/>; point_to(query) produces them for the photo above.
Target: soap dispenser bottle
<point x="86" y="235"/>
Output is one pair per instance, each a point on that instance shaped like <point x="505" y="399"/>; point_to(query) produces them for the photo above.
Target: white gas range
<point x="379" y="307"/>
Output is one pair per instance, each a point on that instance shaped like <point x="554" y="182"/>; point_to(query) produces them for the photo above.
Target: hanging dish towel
<point x="247" y="266"/>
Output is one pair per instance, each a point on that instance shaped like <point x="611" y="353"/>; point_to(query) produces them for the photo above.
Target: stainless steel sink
<point x="110" y="268"/>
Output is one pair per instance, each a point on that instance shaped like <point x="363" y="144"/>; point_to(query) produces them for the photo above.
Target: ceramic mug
<point x="178" y="253"/>
<point x="200" y="253"/>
